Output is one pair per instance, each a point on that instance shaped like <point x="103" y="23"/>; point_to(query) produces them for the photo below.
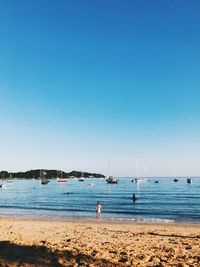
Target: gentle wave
<point x="143" y="220"/>
<point x="165" y="201"/>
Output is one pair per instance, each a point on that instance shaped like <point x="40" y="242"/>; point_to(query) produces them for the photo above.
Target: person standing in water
<point x="134" y="198"/>
<point x="98" y="211"/>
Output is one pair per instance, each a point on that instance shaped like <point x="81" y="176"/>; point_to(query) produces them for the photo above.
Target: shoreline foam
<point x="103" y="220"/>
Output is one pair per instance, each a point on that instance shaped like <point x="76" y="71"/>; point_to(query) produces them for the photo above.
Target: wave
<point x="143" y="220"/>
<point x="176" y="214"/>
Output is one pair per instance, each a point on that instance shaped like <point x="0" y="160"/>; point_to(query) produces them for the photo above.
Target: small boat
<point x="82" y="178"/>
<point x="44" y="182"/>
<point x="189" y="180"/>
<point x="175" y="180"/>
<point x="156" y="182"/>
<point x="1" y="185"/>
<point x="138" y="180"/>
<point x="43" y="177"/>
<point x="111" y="180"/>
<point x="10" y="179"/>
<point x="135" y="180"/>
<point x="61" y="180"/>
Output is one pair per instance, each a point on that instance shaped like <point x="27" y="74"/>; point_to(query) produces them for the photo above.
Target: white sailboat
<point x="43" y="178"/>
<point x="175" y="178"/>
<point x="82" y="178"/>
<point x="138" y="179"/>
<point x="10" y="179"/>
<point x="111" y="179"/>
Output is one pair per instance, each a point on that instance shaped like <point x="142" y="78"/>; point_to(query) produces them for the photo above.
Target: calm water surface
<point x="166" y="201"/>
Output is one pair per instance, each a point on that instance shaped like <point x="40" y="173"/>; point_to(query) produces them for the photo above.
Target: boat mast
<point x="108" y="170"/>
<point x="145" y="173"/>
<point x="137" y="169"/>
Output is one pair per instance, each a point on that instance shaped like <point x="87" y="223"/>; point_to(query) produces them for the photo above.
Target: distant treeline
<point x="50" y="174"/>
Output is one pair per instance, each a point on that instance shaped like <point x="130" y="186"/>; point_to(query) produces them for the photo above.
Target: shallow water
<point x="166" y="201"/>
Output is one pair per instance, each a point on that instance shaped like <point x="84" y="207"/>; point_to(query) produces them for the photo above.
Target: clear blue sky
<point x="84" y="82"/>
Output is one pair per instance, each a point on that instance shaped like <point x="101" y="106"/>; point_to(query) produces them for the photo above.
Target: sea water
<point x="166" y="201"/>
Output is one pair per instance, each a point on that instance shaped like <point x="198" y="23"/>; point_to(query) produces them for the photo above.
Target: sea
<point x="163" y="202"/>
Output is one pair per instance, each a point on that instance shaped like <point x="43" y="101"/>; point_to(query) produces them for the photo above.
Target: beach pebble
<point x="147" y="259"/>
<point x="197" y="258"/>
<point x="123" y="259"/>
<point x="123" y="253"/>
<point x="113" y="252"/>
<point x="141" y="256"/>
<point x="164" y="259"/>
<point x="156" y="260"/>
<point x="180" y="264"/>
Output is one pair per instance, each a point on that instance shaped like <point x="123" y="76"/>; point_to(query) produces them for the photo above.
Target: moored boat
<point x="138" y="180"/>
<point x="61" y="180"/>
<point x="43" y="177"/>
<point x="112" y="180"/>
<point x="134" y="180"/>
<point x="10" y="179"/>
<point x="82" y="178"/>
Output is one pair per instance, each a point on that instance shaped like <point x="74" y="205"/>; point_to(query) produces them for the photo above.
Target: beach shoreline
<point x="46" y="242"/>
<point x="140" y="221"/>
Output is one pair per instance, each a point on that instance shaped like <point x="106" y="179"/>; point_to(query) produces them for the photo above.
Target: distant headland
<point x="50" y="174"/>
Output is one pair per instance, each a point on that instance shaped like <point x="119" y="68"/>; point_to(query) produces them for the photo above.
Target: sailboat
<point x="81" y="179"/>
<point x="43" y="177"/>
<point x="111" y="179"/>
<point x="10" y="179"/>
<point x="136" y="180"/>
<point x="175" y="178"/>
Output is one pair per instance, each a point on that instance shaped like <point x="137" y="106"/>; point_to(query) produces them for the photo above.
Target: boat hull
<point x="61" y="180"/>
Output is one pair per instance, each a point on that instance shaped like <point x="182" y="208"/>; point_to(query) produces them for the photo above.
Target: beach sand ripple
<point x="66" y="243"/>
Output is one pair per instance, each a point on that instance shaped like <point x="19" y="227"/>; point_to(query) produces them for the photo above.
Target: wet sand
<point x="29" y="242"/>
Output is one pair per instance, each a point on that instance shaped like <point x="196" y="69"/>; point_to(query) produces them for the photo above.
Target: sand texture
<point x="64" y="243"/>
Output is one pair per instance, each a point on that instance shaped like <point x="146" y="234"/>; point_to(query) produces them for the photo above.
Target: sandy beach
<point x="30" y="242"/>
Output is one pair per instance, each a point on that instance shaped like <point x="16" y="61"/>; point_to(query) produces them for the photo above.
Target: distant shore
<point x="49" y="174"/>
<point x="42" y="242"/>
